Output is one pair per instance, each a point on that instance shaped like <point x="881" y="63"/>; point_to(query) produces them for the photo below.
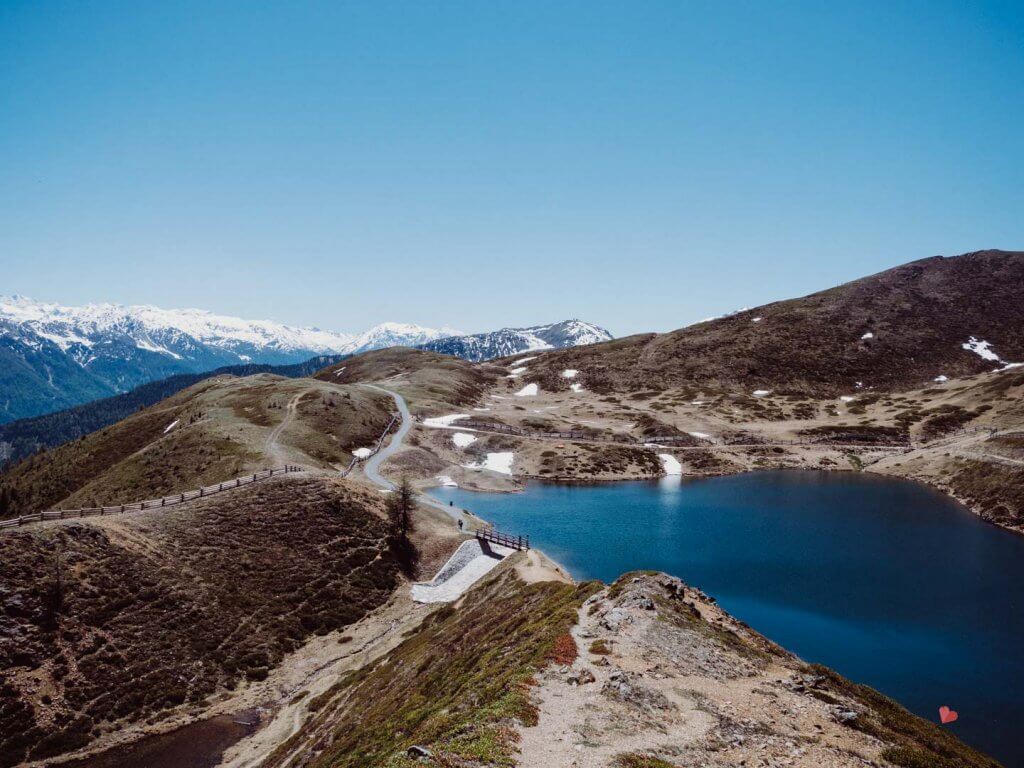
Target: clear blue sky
<point x="638" y="164"/>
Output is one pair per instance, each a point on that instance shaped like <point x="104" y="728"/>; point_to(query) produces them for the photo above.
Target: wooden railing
<point x="138" y="506"/>
<point x="504" y="539"/>
<point x="689" y="441"/>
<point x="395" y="418"/>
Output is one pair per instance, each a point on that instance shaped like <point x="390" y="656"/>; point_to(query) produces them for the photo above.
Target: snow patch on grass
<point x="446" y="481"/>
<point x="171" y="426"/>
<point x="868" y="335"/>
<point x="530" y="390"/>
<point x="576" y="387"/>
<point x="941" y="379"/>
<point x="762" y="392"/>
<point x="495" y="462"/>
<point x="700" y="435"/>
<point x="362" y="453"/>
<point x="569" y="373"/>
<point x="982" y="349"/>
<point x="516" y="372"/>
<point x="463" y="439"/>
<point x="670" y="464"/>
<point x="847" y="398"/>
<point x="444" y="422"/>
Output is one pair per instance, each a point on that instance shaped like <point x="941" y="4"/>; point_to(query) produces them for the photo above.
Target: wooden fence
<point x="138" y="506"/>
<point x="395" y="418"/>
<point x="180" y="498"/>
<point x="688" y="441"/>
<point x="504" y="539"/>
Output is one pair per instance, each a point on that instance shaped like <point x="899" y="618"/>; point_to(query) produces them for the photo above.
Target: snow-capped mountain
<point x="509" y="341"/>
<point x="53" y="357"/>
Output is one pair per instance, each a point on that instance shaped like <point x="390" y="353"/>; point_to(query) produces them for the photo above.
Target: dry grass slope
<point x="159" y="610"/>
<point x="219" y="429"/>
<point x="918" y="315"/>
<point x="455" y="685"/>
<point x="426" y="379"/>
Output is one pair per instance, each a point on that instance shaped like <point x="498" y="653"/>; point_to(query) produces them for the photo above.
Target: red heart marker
<point x="947" y="715"/>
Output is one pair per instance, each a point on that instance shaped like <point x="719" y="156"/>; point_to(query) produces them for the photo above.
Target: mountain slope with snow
<point x="54" y="357"/>
<point x="510" y="341"/>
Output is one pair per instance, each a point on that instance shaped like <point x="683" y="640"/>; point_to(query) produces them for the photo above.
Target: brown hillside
<point x="426" y="379"/>
<point x="117" y="621"/>
<point x="221" y="428"/>
<point x="919" y="314"/>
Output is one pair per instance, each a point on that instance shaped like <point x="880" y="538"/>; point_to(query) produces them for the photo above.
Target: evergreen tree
<point x="400" y="505"/>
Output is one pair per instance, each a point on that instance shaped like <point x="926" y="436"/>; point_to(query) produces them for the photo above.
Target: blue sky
<point x="638" y="164"/>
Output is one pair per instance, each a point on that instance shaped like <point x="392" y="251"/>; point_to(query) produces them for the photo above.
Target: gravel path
<point x="372" y="466"/>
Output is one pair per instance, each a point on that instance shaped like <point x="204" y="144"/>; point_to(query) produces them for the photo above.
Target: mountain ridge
<point x="54" y="357"/>
<point x="478" y="347"/>
<point x="942" y="316"/>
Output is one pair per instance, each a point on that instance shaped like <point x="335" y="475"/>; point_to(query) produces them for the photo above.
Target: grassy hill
<point x="894" y="330"/>
<point x="212" y="431"/>
<point x="126" y="620"/>
<point x="428" y="380"/>
<point x="24" y="437"/>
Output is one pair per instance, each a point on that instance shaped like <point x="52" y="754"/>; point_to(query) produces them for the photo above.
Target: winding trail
<point x="271" y="446"/>
<point x="372" y="466"/>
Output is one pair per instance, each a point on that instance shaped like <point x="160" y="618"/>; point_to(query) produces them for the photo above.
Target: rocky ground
<point x="665" y="678"/>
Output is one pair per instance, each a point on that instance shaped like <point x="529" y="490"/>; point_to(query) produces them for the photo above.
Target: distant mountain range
<point x="510" y="341"/>
<point x="54" y="357"/>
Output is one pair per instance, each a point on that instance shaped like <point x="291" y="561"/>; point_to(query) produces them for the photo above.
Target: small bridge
<point x="506" y="540"/>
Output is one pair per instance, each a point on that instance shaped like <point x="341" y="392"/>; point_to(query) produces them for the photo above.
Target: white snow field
<point x="495" y="462"/>
<point x="362" y="453"/>
<point x="463" y="439"/>
<point x="530" y="390"/>
<point x="444" y="422"/>
<point x="982" y="349"/>
<point x="446" y="481"/>
<point x="670" y="464"/>
<point x="463" y="569"/>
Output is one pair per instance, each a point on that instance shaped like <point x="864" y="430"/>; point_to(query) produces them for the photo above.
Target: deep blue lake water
<point x="886" y="581"/>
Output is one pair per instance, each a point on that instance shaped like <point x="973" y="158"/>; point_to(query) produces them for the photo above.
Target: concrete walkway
<point x="471" y="562"/>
